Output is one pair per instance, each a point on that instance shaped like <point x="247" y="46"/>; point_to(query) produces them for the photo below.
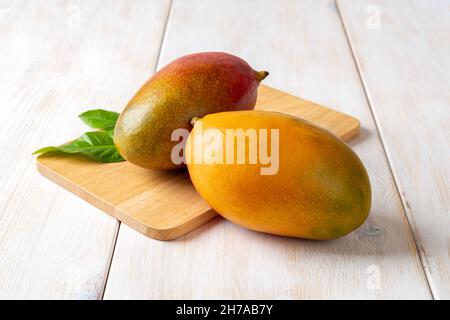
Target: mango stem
<point x="194" y="120"/>
<point x="261" y="75"/>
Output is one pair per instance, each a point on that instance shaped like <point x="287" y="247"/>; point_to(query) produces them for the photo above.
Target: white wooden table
<point x="385" y="62"/>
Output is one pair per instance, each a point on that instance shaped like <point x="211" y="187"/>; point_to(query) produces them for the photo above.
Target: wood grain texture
<point x="164" y="205"/>
<point x="304" y="47"/>
<point x="340" y="124"/>
<point x="59" y="58"/>
<point x="405" y="66"/>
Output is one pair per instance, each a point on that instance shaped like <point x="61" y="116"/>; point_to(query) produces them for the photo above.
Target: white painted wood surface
<point x="58" y="58"/>
<point x="303" y="45"/>
<point x="404" y="60"/>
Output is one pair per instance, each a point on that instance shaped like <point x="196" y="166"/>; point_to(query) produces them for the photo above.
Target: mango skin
<point x="321" y="191"/>
<point x="191" y="86"/>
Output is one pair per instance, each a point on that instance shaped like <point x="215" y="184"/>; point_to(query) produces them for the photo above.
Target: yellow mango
<point x="279" y="174"/>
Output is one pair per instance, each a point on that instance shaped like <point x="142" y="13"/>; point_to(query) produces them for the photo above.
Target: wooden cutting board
<point x="163" y="204"/>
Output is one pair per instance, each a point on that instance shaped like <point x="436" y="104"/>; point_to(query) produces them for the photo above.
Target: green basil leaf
<point x="100" y="119"/>
<point x="45" y="150"/>
<point x="96" y="145"/>
<point x="111" y="133"/>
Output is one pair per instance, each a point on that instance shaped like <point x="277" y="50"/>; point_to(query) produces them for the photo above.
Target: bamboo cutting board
<point x="163" y="204"/>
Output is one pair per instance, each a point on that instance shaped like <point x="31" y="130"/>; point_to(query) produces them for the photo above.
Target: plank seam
<point x="116" y="237"/>
<point x="164" y="35"/>
<point x="378" y="132"/>
<point x="105" y="283"/>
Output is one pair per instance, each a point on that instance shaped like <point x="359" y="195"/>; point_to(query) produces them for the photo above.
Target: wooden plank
<point x="57" y="60"/>
<point x="165" y="205"/>
<point x="342" y="125"/>
<point x="304" y="47"/>
<point x="404" y="61"/>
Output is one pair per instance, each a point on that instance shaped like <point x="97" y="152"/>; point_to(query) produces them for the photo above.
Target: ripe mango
<point x="319" y="190"/>
<point x="191" y="86"/>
